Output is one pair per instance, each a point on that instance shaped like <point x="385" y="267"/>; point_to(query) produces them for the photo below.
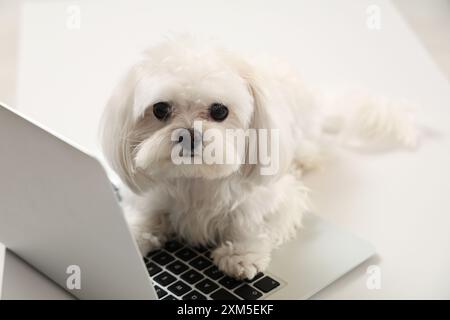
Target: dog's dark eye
<point x="161" y="110"/>
<point x="218" y="111"/>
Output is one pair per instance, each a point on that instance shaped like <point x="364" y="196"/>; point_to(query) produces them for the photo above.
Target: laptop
<point x="59" y="212"/>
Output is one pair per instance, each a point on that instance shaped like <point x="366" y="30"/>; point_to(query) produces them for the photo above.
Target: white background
<point x="398" y="201"/>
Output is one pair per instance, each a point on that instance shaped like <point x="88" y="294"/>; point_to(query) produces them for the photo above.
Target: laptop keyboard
<point x="180" y="272"/>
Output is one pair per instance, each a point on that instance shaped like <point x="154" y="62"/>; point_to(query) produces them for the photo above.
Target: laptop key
<point x="163" y="258"/>
<point x="179" y="288"/>
<point x="266" y="284"/>
<point x="230" y="283"/>
<point x="206" y="286"/>
<point x="164" y="278"/>
<point x="248" y="293"/>
<point x="153" y="268"/>
<point x="173" y="246"/>
<point x="200" y="263"/>
<point x="223" y="294"/>
<point x="256" y="277"/>
<point x="185" y="254"/>
<point x="194" y="295"/>
<point x="160" y="292"/>
<point x="201" y="249"/>
<point x="214" y="273"/>
<point x="208" y="254"/>
<point x="169" y="297"/>
<point x="177" y="267"/>
<point x="191" y="276"/>
<point x="152" y="253"/>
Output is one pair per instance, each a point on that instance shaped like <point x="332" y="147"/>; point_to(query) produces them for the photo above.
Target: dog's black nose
<point x="192" y="133"/>
<point x="191" y="142"/>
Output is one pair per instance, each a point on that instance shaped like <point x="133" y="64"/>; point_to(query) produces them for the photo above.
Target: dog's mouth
<point x="189" y="154"/>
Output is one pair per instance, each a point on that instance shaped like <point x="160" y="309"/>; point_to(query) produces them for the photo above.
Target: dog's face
<point x="173" y="105"/>
<point x="176" y="103"/>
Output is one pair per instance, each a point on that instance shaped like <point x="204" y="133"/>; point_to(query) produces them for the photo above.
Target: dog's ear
<point x="266" y="121"/>
<point x="116" y="130"/>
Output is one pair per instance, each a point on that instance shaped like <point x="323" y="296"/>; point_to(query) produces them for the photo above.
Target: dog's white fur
<point x="243" y="214"/>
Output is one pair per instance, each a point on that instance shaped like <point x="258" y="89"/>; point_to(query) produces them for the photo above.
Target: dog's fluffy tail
<point x="363" y="121"/>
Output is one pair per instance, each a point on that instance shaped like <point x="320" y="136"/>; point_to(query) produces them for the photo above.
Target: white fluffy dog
<point x="243" y="214"/>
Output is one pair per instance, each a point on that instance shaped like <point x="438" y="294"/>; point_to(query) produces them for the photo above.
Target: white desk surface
<point x="398" y="201"/>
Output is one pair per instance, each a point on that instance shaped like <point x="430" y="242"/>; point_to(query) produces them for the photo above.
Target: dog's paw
<point x="239" y="262"/>
<point x="147" y="241"/>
